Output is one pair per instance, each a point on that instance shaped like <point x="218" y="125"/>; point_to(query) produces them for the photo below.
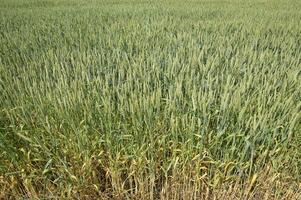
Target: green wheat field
<point x="145" y="99"/>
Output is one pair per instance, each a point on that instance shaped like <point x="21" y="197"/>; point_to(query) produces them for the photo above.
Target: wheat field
<point x="137" y="99"/>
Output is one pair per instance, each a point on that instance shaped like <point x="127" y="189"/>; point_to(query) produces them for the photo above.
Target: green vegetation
<point x="150" y="99"/>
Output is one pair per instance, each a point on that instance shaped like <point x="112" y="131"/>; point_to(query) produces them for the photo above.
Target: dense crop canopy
<point x="150" y="99"/>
